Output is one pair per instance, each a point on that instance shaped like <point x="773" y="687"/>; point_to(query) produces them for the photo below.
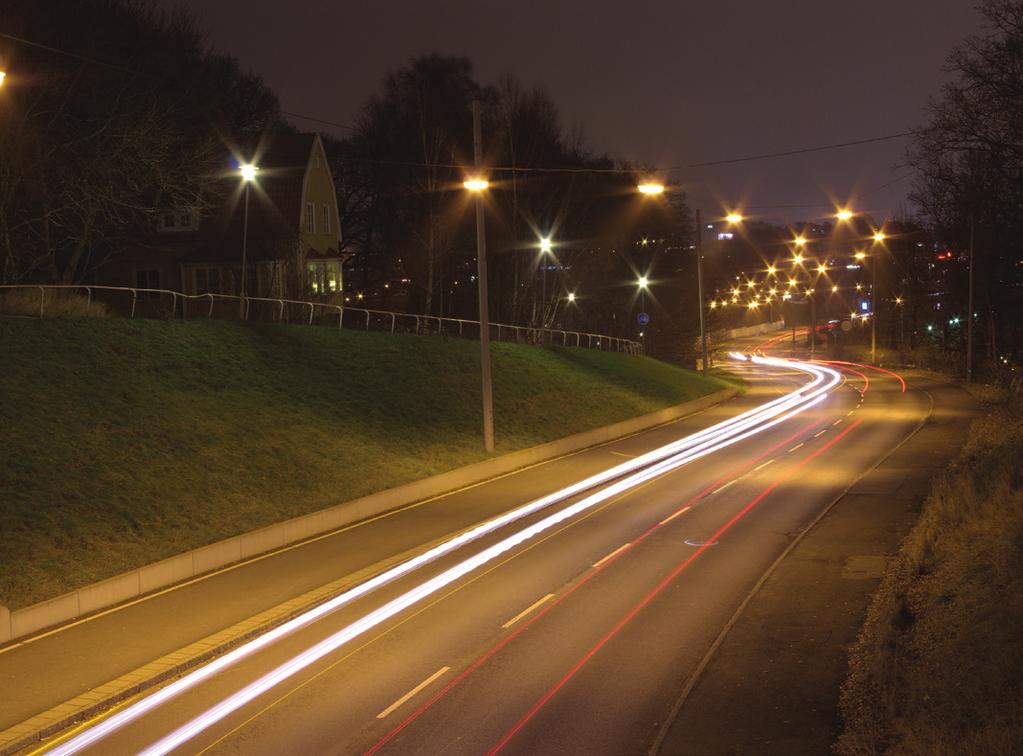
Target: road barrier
<point x="135" y="302"/>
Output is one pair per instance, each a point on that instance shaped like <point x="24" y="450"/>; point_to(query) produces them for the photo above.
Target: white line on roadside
<point x="680" y="512"/>
<point x="614" y="553"/>
<point x="726" y="485"/>
<point x="794" y="448"/>
<point x="528" y="609"/>
<point x="836" y="422"/>
<point x="412" y="692"/>
<point x="820" y="433"/>
<point x="849" y="412"/>
<point x="761" y="467"/>
<point x="623" y="454"/>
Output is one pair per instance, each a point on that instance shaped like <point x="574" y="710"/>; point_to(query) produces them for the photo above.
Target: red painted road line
<point x="482" y="659"/>
<point x="663" y="584"/>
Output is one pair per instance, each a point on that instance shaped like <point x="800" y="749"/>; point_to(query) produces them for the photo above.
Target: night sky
<point x="670" y="83"/>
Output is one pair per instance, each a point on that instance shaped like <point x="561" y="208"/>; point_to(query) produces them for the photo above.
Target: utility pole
<point x="813" y="321"/>
<point x="699" y="286"/>
<point x="874" y="300"/>
<point x="969" y="305"/>
<point x="245" y="245"/>
<point x="481" y="275"/>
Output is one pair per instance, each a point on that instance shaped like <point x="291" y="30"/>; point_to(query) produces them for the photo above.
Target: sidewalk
<point x="772" y="685"/>
<point x="81" y="667"/>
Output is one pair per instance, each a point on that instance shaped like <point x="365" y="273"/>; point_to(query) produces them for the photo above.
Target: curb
<point x="192" y="564"/>
<point x="97" y="700"/>
<point x="694" y="678"/>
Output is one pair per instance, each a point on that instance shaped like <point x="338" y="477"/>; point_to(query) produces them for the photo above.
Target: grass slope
<point x="124" y="442"/>
<point x="938" y="667"/>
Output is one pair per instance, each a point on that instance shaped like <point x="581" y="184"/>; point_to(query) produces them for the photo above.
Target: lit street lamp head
<point x="733" y="218"/>
<point x="797" y="259"/>
<point x="822" y="268"/>
<point x="651" y="187"/>
<point x="571" y="296"/>
<point x="861" y="255"/>
<point x="799" y="241"/>
<point x="844" y="214"/>
<point x="643" y="281"/>
<point x="879" y="236"/>
<point x="248" y="171"/>
<point x="3" y="75"/>
<point x="475" y="184"/>
<point x="771" y="270"/>
<point x="545" y="244"/>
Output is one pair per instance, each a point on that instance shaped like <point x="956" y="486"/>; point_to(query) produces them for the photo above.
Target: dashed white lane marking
<point x="613" y="553"/>
<point x="761" y="467"/>
<point x="669" y="518"/>
<point x="794" y="448"/>
<point x="412" y="692"/>
<point x="820" y="433"/>
<point x="837" y="422"/>
<point x="623" y="454"/>
<point x="527" y="610"/>
<point x="849" y="412"/>
<point x="726" y="485"/>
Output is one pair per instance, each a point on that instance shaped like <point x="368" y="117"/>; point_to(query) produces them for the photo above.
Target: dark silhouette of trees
<point x="94" y="144"/>
<point x="970" y="163"/>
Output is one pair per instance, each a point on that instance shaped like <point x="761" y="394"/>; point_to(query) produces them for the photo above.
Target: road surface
<point x="574" y="639"/>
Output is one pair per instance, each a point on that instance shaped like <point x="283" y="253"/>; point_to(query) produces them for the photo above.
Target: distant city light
<point x="476" y="184"/>
<point x="733" y="218"/>
<point x="799" y="241"/>
<point x="879" y="236"/>
<point x="571" y="296"/>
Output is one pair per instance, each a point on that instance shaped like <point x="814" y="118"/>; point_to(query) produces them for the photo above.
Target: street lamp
<point x="571" y="296"/>
<point x="3" y="75"/>
<point x="734" y="218"/>
<point x="477" y="185"/>
<point x="643" y="282"/>
<point x="799" y="241"/>
<point x="248" y="174"/>
<point x="545" y="249"/>
<point x="844" y="214"/>
<point x="651" y="187"/>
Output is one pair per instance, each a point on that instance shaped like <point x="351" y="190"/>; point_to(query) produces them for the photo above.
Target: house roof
<point x="275" y="197"/>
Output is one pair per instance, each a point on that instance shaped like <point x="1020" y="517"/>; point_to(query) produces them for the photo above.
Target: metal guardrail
<point x="280" y="311"/>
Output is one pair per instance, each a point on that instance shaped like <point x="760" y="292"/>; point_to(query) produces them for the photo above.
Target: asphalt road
<point x="575" y="640"/>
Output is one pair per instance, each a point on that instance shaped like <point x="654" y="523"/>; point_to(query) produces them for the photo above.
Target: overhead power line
<point x="509" y="168"/>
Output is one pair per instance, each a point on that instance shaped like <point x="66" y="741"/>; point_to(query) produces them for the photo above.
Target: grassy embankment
<point x="124" y="442"/>
<point x="938" y="667"/>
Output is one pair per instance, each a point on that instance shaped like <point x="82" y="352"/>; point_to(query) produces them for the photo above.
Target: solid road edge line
<point x="694" y="678"/>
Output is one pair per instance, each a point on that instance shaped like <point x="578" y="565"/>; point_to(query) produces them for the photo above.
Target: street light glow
<point x="713" y="304"/>
<point x="571" y="296"/>
<point x="651" y="188"/>
<point x="771" y="270"/>
<point x="799" y="241"/>
<point x="643" y="281"/>
<point x="898" y="300"/>
<point x="834" y="289"/>
<point x="733" y="218"/>
<point x="879" y="236"/>
<point x="822" y="268"/>
<point x="3" y="75"/>
<point x="861" y="255"/>
<point x="797" y="259"/>
<point x="545" y="244"/>
<point x="844" y="214"/>
<point x="248" y="171"/>
<point x="476" y="184"/>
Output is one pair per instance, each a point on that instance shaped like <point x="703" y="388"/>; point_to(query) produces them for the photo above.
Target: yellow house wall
<point x="319" y="190"/>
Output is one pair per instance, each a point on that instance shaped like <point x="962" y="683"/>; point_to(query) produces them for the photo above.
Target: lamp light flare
<point x="822" y="268"/>
<point x="651" y="187"/>
<point x="797" y="259"/>
<point x="248" y="171"/>
<point x="734" y="218"/>
<point x="475" y="184"/>
<point x="879" y="236"/>
<point x="545" y="244"/>
<point x="799" y="241"/>
<point x="771" y="270"/>
<point x="643" y="282"/>
<point x="860" y="255"/>
<point x="3" y="75"/>
<point x="571" y="296"/>
<point x="844" y="214"/>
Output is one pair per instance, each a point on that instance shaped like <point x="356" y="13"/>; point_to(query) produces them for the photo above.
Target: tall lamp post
<point x="879" y="237"/>
<point x="248" y="173"/>
<point x="477" y="184"/>
<point x="545" y="250"/>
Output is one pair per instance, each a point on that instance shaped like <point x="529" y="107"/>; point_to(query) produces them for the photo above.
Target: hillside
<point x="128" y="441"/>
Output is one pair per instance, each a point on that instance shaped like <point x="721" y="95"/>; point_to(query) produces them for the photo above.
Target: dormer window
<point x="177" y="220"/>
<point x="310" y="218"/>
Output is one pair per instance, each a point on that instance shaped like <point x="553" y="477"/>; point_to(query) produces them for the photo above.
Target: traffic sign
<point x="642" y="318"/>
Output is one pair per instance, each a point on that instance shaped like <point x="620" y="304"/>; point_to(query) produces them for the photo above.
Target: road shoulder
<point x="772" y="684"/>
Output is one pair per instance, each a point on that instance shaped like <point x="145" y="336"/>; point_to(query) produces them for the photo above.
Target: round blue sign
<point x="643" y="318"/>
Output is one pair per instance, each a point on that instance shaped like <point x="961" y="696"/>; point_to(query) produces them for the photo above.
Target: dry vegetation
<point x="938" y="667"/>
<point x="55" y="303"/>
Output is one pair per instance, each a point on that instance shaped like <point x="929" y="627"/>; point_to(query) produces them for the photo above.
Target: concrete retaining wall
<point x="205" y="559"/>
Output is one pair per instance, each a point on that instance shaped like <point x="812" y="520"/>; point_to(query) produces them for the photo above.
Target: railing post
<point x="392" y="322"/>
<point x="367" y="320"/>
<point x="312" y="308"/>
<point x="460" y="323"/>
<point x="134" y="298"/>
<point x="88" y="297"/>
<point x="280" y="313"/>
<point x="340" y="315"/>
<point x="42" y="300"/>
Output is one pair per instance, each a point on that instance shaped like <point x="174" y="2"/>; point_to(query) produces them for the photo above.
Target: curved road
<point x="576" y="640"/>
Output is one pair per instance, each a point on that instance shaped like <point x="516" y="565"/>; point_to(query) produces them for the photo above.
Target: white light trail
<point x="660" y="461"/>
